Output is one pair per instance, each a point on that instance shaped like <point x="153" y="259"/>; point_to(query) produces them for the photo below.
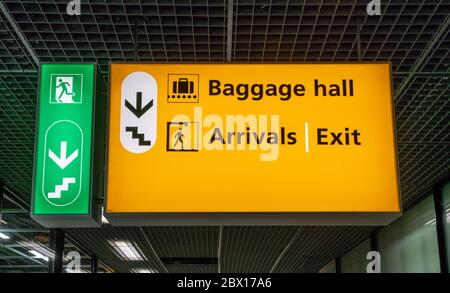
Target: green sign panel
<point x="65" y="187"/>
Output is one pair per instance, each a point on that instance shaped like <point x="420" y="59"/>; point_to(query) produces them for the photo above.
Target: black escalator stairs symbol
<point x="137" y="135"/>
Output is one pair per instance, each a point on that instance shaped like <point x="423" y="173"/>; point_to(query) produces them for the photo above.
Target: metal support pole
<point x="136" y="36"/>
<point x="94" y="264"/>
<point x="1" y="203"/>
<point x="374" y="240"/>
<point x="136" y="39"/>
<point x="358" y="37"/>
<point x="57" y="244"/>
<point x="337" y="264"/>
<point x="440" y="228"/>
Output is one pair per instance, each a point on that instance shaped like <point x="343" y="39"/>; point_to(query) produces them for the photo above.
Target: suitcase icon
<point x="183" y="86"/>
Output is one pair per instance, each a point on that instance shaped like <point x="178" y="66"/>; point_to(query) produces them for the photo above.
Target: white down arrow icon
<point x="63" y="161"/>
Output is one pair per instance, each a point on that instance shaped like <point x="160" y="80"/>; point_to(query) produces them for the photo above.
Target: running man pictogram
<point x="66" y="89"/>
<point x="182" y="136"/>
<point x="179" y="138"/>
<point x="64" y="85"/>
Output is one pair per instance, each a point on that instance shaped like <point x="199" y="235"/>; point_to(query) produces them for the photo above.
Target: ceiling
<point x="412" y="35"/>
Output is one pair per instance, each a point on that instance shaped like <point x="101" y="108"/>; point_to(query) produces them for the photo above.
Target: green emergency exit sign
<point x="68" y="171"/>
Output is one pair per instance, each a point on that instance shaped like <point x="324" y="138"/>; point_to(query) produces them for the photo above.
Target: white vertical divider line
<point x="306" y="137"/>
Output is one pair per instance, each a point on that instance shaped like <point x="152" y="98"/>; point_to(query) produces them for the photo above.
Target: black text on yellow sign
<point x="254" y="139"/>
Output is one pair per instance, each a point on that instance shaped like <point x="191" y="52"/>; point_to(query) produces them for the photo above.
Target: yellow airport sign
<point x="251" y="144"/>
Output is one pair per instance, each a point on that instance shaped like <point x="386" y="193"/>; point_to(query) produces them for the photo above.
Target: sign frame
<point x="96" y="164"/>
<point x="255" y="218"/>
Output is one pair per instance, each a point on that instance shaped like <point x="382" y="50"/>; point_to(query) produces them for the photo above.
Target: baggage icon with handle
<point x="183" y="86"/>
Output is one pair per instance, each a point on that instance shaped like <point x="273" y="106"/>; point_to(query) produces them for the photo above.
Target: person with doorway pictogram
<point x="179" y="138"/>
<point x="64" y="90"/>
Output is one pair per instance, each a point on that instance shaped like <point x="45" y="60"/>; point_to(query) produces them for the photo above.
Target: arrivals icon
<point x="182" y="136"/>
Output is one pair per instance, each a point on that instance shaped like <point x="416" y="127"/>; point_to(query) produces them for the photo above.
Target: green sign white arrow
<point x="68" y="172"/>
<point x="62" y="161"/>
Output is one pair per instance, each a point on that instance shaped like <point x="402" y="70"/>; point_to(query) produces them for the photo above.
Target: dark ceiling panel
<point x="253" y="249"/>
<point x="13" y="57"/>
<point x="314" y="247"/>
<point x="184" y="241"/>
<point x="184" y="269"/>
<point x="106" y="31"/>
<point x="17" y="127"/>
<point x="98" y="242"/>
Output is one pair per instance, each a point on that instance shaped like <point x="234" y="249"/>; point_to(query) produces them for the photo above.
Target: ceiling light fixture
<point x="104" y="220"/>
<point x="38" y="255"/>
<point x="144" y="271"/>
<point x="39" y="248"/>
<point x="430" y="222"/>
<point x="127" y="250"/>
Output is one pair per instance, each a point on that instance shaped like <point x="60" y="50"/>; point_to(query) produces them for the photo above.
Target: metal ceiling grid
<point x="188" y="31"/>
<point x="156" y="243"/>
<point x="189" y="243"/>
<point x="12" y="54"/>
<point x="423" y="135"/>
<point x="17" y="112"/>
<point x="252" y="249"/>
<point x="413" y="35"/>
<point x="184" y="269"/>
<point x="15" y="253"/>
<point x="96" y="241"/>
<point x="184" y="241"/>
<point x="15" y="260"/>
<point x="314" y="247"/>
<point x="308" y="31"/>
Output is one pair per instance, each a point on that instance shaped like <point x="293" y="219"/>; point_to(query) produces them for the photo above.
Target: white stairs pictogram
<point x="63" y="187"/>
